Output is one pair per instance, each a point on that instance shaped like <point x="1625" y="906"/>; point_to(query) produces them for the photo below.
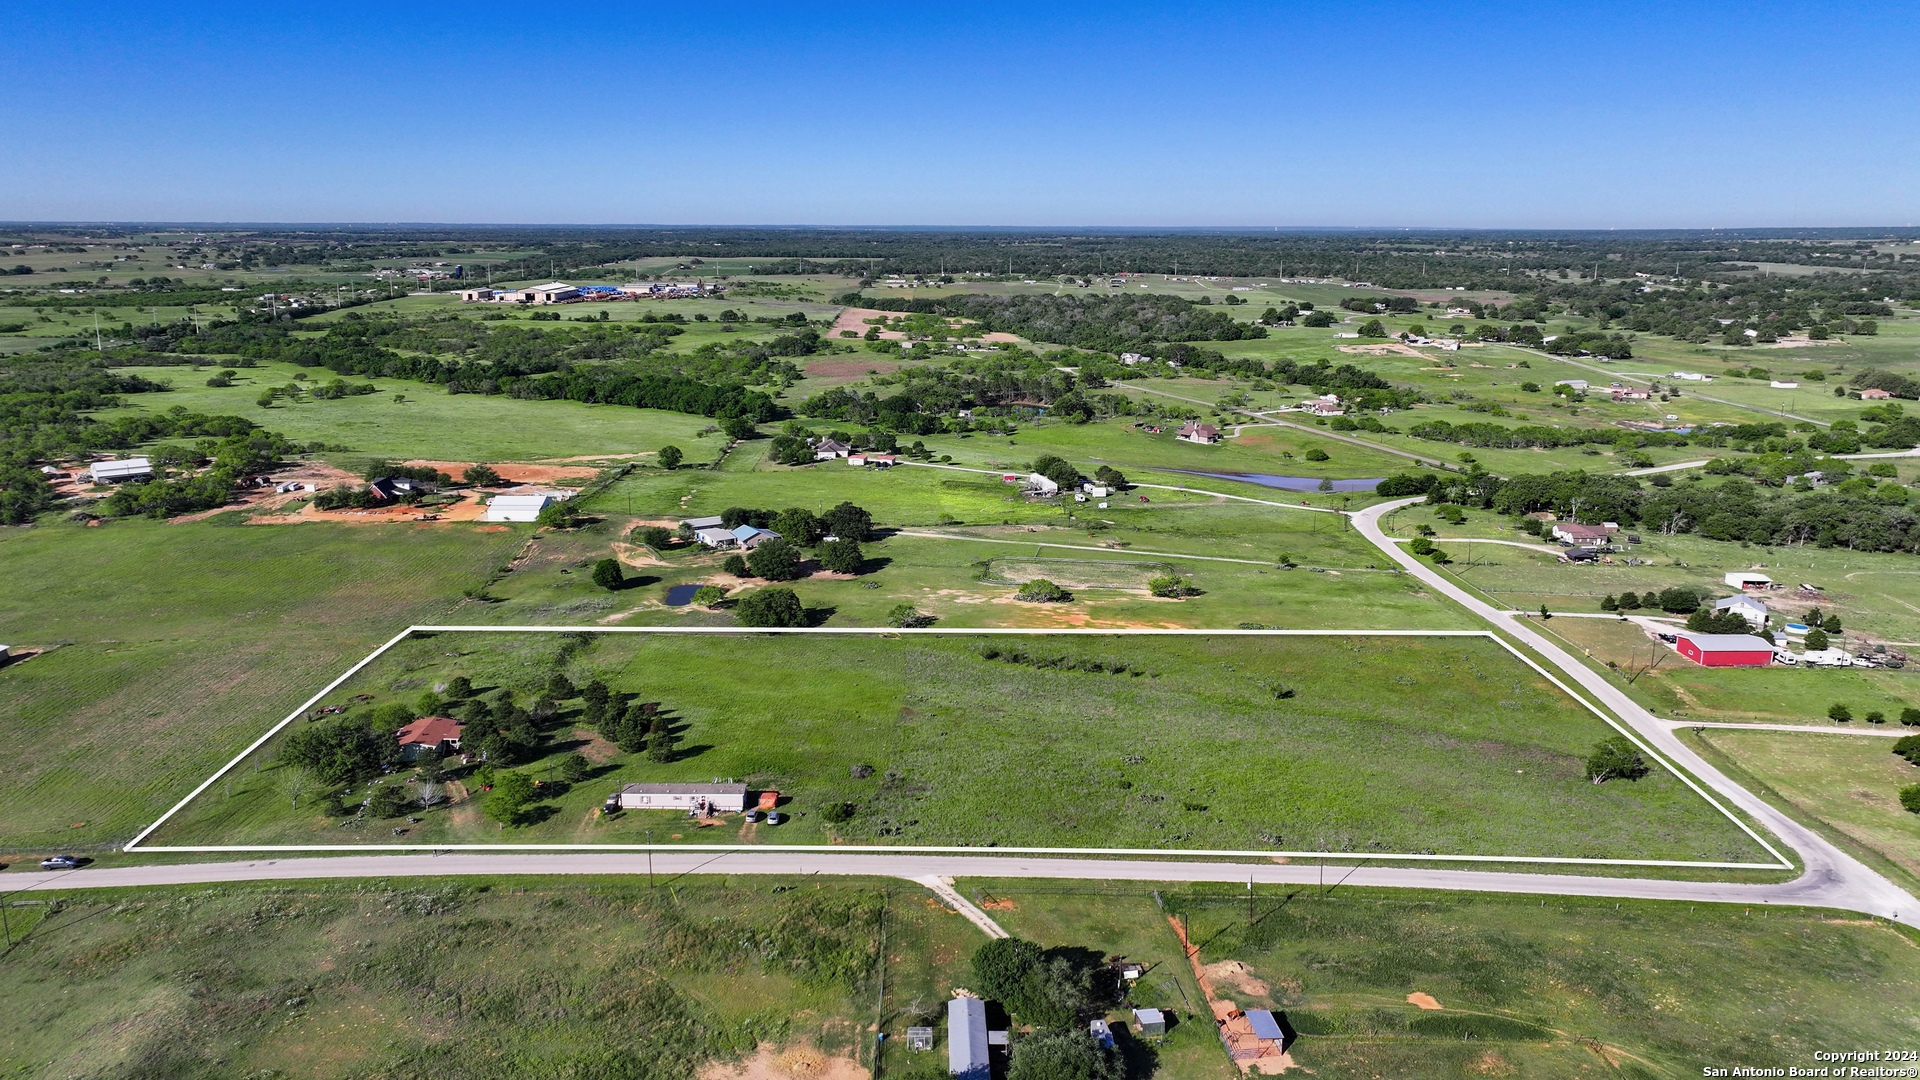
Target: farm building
<point x="113" y="472"/>
<point x="1872" y="394"/>
<point x="1041" y="485"/>
<point x="1754" y="611"/>
<point x="516" y="507"/>
<point x="699" y="523"/>
<point x="1725" y="650"/>
<point x="967" y="1056"/>
<point x="1745" y="581"/>
<point x="1195" y="432"/>
<point x="724" y="798"/>
<point x="1572" y="532"/>
<point x="429" y="734"/>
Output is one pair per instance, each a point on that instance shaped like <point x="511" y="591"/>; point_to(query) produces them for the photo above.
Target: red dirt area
<point x="321" y="476"/>
<point x="517" y="472"/>
<point x="465" y="510"/>
<point x="855" y="319"/>
<point x="855" y="368"/>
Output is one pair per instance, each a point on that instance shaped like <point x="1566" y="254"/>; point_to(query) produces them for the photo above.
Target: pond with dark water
<point x="682" y="595"/>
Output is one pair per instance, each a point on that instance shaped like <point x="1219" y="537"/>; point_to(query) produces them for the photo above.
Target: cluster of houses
<point x="712" y="532"/>
<point x="974" y="1052"/>
<point x="827" y="448"/>
<point x="1046" y="487"/>
<point x="559" y="292"/>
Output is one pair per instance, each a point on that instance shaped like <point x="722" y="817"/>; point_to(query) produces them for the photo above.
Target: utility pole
<point x="96" y="332"/>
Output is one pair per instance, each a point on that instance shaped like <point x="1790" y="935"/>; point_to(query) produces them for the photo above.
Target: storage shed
<point x="516" y="507"/>
<point x="1150" y="1021"/>
<point x="1725" y="650"/>
<point x="967" y="1039"/>
<point x="113" y="472"/>
<point x="1744" y="580"/>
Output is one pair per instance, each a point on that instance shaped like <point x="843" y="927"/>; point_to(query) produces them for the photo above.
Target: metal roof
<point x="967" y="1039"/>
<point x="687" y="789"/>
<point x="702" y="523"/>
<point x="1264" y="1025"/>
<point x="520" y="502"/>
<point x="1728" y="642"/>
<point x="127" y="467"/>
<point x="1738" y="601"/>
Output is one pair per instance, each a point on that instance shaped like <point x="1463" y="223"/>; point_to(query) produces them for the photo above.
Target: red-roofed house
<point x="436" y="734"/>
<point x="1573" y="532"/>
<point x="1195" y="432"/>
<point x="1873" y="394"/>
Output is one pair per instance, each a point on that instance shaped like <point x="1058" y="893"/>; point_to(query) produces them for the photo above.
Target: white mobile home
<point x="724" y="798"/>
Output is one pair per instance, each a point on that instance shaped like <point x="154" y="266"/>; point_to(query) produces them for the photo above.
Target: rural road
<point x="921" y="868"/>
<point x="1730" y="725"/>
<point x="1832" y="878"/>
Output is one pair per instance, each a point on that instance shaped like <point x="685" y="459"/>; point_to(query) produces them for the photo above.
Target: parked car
<point x="775" y="817"/>
<point x="60" y="862"/>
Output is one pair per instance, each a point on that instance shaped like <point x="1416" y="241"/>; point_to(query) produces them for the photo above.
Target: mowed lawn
<point x="430" y="423"/>
<point x="1351" y="745"/>
<point x="1515" y="985"/>
<point x="170" y="642"/>
<point x="1850" y="783"/>
<point x="487" y="979"/>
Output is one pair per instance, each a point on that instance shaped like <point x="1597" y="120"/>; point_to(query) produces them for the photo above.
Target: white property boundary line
<point x="1780" y="863"/>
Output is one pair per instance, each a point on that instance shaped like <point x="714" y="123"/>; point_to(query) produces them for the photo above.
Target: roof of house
<point x="1738" y="601"/>
<point x="715" y="535"/>
<point x="702" y="523"/>
<point x="684" y="789"/>
<point x="1263" y="1024"/>
<point x="1728" y="642"/>
<point x="834" y="445"/>
<point x="1205" y="431"/>
<point x="551" y="287"/>
<point x="430" y="731"/>
<point x="1574" y="528"/>
<point x="520" y="502"/>
<point x="744" y="533"/>
<point x="967" y="1037"/>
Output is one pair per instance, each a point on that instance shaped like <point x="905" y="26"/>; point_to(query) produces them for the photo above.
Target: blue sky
<point x="1543" y="115"/>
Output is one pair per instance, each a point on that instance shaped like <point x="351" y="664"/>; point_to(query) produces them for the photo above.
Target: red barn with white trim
<point x="1725" y="650"/>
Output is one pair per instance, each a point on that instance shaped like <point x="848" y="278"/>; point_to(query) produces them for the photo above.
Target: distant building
<point x="1042" y="485"/>
<point x="114" y="472"/>
<point x="721" y="798"/>
<point x="1577" y="384"/>
<point x="1745" y="580"/>
<point x="1631" y="393"/>
<point x="740" y="536"/>
<point x="1784" y="384"/>
<point x="1872" y="394"/>
<point x="1195" y="432"/>
<point x="1725" y="650"/>
<point x="1572" y="532"/>
<point x="828" y="448"/>
<point x="516" y="507"/>
<point x="429" y="734"/>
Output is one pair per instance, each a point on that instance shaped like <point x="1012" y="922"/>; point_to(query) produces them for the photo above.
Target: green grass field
<point x="168" y="642"/>
<point x="1851" y="784"/>
<point x="510" y="978"/>
<point x="1199" y="752"/>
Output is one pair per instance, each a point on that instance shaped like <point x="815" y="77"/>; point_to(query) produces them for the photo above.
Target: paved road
<point x="1267" y="418"/>
<point x="1832" y="877"/>
<point x="916" y="867"/>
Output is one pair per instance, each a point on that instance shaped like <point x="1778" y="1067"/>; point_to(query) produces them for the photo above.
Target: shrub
<point x="670" y="457"/>
<point x="1910" y="798"/>
<point x="1615" y="759"/>
<point x="1042" y="591"/>
<point x="908" y="617"/>
<point x="1172" y="585"/>
<point x="1679" y="601"/>
<point x="607" y="575"/>
<point x="1837" y="712"/>
<point x="1315" y="454"/>
<point x="1908" y="747"/>
<point x="653" y="536"/>
<point x="774" y="560"/>
<point x="736" y="565"/>
<point x="771" y="607"/>
<point x="480" y="476"/>
<point x="709" y="595"/>
<point x="389" y="801"/>
<point x="839" y="813"/>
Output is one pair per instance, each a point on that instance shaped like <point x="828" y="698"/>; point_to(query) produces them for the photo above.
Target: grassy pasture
<point x="474" y="977"/>
<point x="431" y="423"/>
<point x="1850" y="785"/>
<point x="1200" y="751"/>
<point x="169" y="642"/>
<point x="1526" y="987"/>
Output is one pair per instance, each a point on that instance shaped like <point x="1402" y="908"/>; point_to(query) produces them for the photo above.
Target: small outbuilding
<point x="919" y="1039"/>
<point x="115" y="472"/>
<point x="1725" y="650"/>
<point x="967" y="1055"/>
<point x="516" y="507"/>
<point x="1151" y="1022"/>
<point x="1747" y="581"/>
<point x="721" y="798"/>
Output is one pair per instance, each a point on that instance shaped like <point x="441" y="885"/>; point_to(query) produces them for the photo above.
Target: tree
<point x="388" y="801"/>
<point x="607" y="575"/>
<point x="1064" y="1055"/>
<point x="460" y="688"/>
<point x="1373" y="328"/>
<point x="1173" y="586"/>
<point x="480" y="476"/>
<point x="1042" y="591"/>
<point x="596" y="697"/>
<point x="1908" y="747"/>
<point x="511" y="793"/>
<point x="1608" y="603"/>
<point x="1316" y="454"/>
<point x="1002" y="967"/>
<point x="790" y="450"/>
<point x="1679" y="601"/>
<point x="340" y="751"/>
<point x="1615" y="759"/>
<point x="654" y="536"/>
<point x="709" y="595"/>
<point x="771" y="607"/>
<point x="1910" y="798"/>
<point x="561" y="688"/>
<point x="736" y="565"/>
<point x="1910" y="717"/>
<point x="661" y="741"/>
<point x="575" y="768"/>
<point x="738" y="427"/>
<point x="842" y="556"/>
<point x="559" y="514"/>
<point x="774" y="560"/>
<point x="908" y="617"/>
<point x="1875" y="717"/>
<point x="1629" y="601"/>
<point x="1831" y="625"/>
<point x="670" y="457"/>
<point x="850" y="522"/>
<point x="798" y="525"/>
<point x="1839" y="713"/>
<point x="1817" y="640"/>
<point x="1057" y="469"/>
<point x="1111" y="477"/>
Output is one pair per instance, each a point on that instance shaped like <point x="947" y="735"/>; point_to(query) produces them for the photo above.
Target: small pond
<point x="682" y="595"/>
<point x="1287" y="483"/>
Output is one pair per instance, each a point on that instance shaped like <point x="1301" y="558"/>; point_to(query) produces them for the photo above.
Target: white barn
<point x="113" y="472"/>
<point x="516" y="507"/>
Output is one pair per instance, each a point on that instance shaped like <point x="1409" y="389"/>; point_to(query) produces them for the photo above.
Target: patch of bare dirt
<point x="515" y="472"/>
<point x="1236" y="975"/>
<point x="855" y="368"/>
<point x="1423" y="1001"/>
<point x="1386" y="348"/>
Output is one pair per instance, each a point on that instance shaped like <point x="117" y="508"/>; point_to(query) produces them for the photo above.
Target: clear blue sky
<point x="1540" y="114"/>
